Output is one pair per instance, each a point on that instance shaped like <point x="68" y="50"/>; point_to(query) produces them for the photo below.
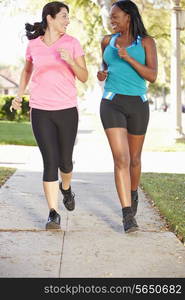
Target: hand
<point x="102" y="75"/>
<point x="122" y="52"/>
<point x="16" y="103"/>
<point x="64" y="54"/>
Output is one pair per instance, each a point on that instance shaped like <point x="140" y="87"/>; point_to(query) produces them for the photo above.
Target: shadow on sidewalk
<point x="24" y="207"/>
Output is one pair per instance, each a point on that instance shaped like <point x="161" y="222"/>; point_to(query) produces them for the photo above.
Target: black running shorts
<point x="124" y="111"/>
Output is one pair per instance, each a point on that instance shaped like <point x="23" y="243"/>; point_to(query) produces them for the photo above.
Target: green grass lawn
<point x="14" y="133"/>
<point x="158" y="136"/>
<point x="167" y="191"/>
<point x="161" y="132"/>
<point x="160" y="139"/>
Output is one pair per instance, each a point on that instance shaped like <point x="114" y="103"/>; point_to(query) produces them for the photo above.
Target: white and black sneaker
<point x="53" y="220"/>
<point x="68" y="198"/>
<point x="129" y="222"/>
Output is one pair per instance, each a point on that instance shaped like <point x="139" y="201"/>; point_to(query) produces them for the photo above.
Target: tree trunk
<point x="105" y="6"/>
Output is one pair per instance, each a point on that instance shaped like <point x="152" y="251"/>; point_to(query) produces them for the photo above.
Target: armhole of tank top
<point x="108" y="42"/>
<point x="141" y="42"/>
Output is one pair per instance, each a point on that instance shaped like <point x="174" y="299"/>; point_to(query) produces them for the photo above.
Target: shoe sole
<point x="70" y="209"/>
<point x="52" y="225"/>
<point x="133" y="229"/>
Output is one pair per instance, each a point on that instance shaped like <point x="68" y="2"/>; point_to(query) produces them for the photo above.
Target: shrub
<point x="6" y="114"/>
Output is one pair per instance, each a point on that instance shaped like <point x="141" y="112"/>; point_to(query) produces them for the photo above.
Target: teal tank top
<point x="122" y="77"/>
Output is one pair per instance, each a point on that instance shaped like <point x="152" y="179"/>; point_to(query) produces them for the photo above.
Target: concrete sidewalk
<point x="92" y="242"/>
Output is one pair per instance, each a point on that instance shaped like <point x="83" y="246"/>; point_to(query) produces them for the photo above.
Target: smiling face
<point x="60" y="22"/>
<point x="120" y="21"/>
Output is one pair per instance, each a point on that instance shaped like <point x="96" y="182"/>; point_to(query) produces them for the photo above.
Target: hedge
<point x="19" y="115"/>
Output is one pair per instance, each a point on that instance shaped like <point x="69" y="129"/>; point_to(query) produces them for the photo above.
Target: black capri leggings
<point x="55" y="133"/>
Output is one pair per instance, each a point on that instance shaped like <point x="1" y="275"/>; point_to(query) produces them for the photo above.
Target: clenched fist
<point x="122" y="52"/>
<point x="65" y="55"/>
<point x="16" y="103"/>
<point x="102" y="75"/>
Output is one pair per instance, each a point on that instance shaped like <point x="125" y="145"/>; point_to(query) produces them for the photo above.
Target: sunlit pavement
<point x="91" y="242"/>
<point x="92" y="152"/>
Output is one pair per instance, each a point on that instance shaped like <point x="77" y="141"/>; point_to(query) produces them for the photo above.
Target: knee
<point x="50" y="172"/>
<point x="66" y="167"/>
<point x="135" y="161"/>
<point x="122" y="161"/>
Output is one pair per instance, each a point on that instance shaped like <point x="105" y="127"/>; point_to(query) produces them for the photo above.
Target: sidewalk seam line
<point x="62" y="250"/>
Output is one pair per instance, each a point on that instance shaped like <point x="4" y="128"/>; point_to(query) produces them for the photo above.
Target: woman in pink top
<point x="53" y="61"/>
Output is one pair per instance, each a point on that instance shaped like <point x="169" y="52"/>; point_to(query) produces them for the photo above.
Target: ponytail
<point x="38" y="28"/>
<point x="35" y="30"/>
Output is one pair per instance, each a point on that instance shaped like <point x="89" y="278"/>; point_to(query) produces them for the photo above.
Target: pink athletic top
<point x="52" y="85"/>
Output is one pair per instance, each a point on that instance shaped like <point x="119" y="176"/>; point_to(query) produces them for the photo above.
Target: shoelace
<point x="69" y="197"/>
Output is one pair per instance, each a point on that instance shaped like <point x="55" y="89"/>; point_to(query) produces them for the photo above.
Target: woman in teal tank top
<point x="129" y="60"/>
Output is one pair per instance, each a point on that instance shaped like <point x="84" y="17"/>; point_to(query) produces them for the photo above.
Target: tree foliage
<point x="90" y="21"/>
<point x="156" y="15"/>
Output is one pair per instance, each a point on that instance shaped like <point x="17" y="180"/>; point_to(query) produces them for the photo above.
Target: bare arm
<point x="104" y="44"/>
<point x="24" y="79"/>
<point x="149" y="70"/>
<point x="79" y="68"/>
<point x="102" y="74"/>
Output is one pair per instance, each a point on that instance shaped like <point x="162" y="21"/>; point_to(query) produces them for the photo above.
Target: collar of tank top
<point x="115" y="36"/>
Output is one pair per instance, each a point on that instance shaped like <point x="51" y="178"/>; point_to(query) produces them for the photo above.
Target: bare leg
<point x="118" y="140"/>
<point x="51" y="193"/>
<point x="135" y="148"/>
<point x="66" y="180"/>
